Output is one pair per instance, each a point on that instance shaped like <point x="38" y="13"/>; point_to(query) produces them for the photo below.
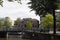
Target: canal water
<point x="14" y="37"/>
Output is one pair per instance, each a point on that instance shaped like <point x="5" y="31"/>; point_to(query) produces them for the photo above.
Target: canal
<point x="14" y="37"/>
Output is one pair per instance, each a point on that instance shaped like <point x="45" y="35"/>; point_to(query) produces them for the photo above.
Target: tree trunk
<point x="54" y="22"/>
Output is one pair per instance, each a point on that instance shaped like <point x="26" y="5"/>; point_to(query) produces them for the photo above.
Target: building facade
<point x="22" y="24"/>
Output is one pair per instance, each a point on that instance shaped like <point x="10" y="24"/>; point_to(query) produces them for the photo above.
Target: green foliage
<point x="1" y="3"/>
<point x="19" y="1"/>
<point x="1" y="24"/>
<point x="7" y="22"/>
<point x="29" y="24"/>
<point x="16" y="21"/>
<point x="58" y="17"/>
<point x="43" y="6"/>
<point x="10" y="0"/>
<point x="47" y="21"/>
<point x="58" y="24"/>
<point x="58" y="20"/>
<point x="58" y="5"/>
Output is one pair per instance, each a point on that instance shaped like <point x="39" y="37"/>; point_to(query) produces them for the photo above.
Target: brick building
<point x="22" y="24"/>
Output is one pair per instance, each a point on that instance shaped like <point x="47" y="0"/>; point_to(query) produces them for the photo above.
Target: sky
<point x="16" y="10"/>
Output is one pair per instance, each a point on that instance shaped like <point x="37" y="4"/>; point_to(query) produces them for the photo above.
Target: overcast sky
<point x="15" y="10"/>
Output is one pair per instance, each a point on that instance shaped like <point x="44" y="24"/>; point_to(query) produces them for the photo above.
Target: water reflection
<point x="3" y="38"/>
<point x="13" y="38"/>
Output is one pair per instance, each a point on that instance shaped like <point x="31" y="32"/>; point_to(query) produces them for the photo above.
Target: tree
<point x="19" y="1"/>
<point x="1" y="24"/>
<point x="16" y="21"/>
<point x="47" y="21"/>
<point x="41" y="7"/>
<point x="58" y="19"/>
<point x="1" y="1"/>
<point x="29" y="24"/>
<point x="7" y="22"/>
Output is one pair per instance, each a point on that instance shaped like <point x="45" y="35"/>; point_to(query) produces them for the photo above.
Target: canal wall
<point x="3" y="34"/>
<point x="41" y="36"/>
<point x="35" y="35"/>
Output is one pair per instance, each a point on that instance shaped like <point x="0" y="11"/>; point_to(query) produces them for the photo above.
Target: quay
<point x="34" y="35"/>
